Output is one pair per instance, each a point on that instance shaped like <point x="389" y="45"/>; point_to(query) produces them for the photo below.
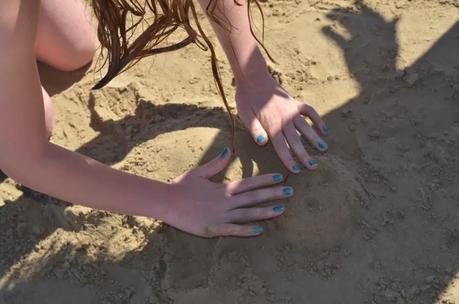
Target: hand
<point x="266" y="109"/>
<point x="203" y="208"/>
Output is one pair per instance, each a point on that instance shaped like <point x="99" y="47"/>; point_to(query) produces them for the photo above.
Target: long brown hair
<point x="159" y="19"/>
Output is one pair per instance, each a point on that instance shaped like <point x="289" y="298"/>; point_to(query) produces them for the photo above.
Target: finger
<point x="236" y="230"/>
<point x="251" y="198"/>
<point x="254" y="126"/>
<point x="253" y="183"/>
<point x="311" y="135"/>
<point x="297" y="147"/>
<point x="309" y="111"/>
<point x="215" y="166"/>
<point x="244" y="215"/>
<point x="282" y="150"/>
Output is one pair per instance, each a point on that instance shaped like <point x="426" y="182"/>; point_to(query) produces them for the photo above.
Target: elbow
<point x="21" y="167"/>
<point x="19" y="173"/>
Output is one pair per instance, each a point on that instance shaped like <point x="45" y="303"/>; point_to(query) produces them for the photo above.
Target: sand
<point x="377" y="223"/>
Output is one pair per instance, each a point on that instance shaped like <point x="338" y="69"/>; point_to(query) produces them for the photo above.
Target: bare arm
<point x="191" y="203"/>
<point x="246" y="60"/>
<point x="25" y="153"/>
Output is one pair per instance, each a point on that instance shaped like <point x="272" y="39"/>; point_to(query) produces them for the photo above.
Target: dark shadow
<point x="55" y="81"/>
<point x="407" y="248"/>
<point x="2" y="177"/>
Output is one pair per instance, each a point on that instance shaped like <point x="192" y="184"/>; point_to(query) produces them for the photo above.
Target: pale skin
<point x="58" y="33"/>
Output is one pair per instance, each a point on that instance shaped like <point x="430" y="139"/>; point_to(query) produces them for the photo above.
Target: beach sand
<point x="377" y="223"/>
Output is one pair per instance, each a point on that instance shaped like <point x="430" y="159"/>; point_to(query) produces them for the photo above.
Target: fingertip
<point x="287" y="191"/>
<point x="312" y="164"/>
<point x="322" y="146"/>
<point x="278" y="209"/>
<point x="261" y="139"/>
<point x="324" y="129"/>
<point x="277" y="177"/>
<point x="295" y="168"/>
<point x="225" y="153"/>
<point x="257" y="230"/>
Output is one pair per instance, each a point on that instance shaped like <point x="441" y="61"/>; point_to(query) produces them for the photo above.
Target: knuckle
<point x="259" y="213"/>
<point x="252" y="213"/>
<point x="249" y="183"/>
<point x="258" y="196"/>
<point x="273" y="124"/>
<point x="268" y="213"/>
<point x="310" y="109"/>
<point x="230" y="230"/>
<point x="209" y="231"/>
<point x="226" y="189"/>
<point x="206" y="232"/>
<point x="242" y="213"/>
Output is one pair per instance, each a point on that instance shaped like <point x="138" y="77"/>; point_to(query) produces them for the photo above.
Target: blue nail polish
<point x="287" y="191"/>
<point x="296" y="168"/>
<point x="312" y="162"/>
<point x="260" y="138"/>
<point x="279" y="208"/>
<point x="277" y="178"/>
<point x="224" y="153"/>
<point x="257" y="230"/>
<point x="322" y="145"/>
<point x="326" y="129"/>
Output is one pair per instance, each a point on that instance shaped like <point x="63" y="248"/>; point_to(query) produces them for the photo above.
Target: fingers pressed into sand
<point x="310" y="134"/>
<point x="236" y="230"/>
<point x="214" y="166"/>
<point x="319" y="124"/>
<point x="253" y="182"/>
<point x="254" y="197"/>
<point x="282" y="150"/>
<point x="297" y="146"/>
<point x="244" y="215"/>
<point x="255" y="128"/>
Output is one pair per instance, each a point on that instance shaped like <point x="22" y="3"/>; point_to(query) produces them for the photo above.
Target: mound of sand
<point x="325" y="207"/>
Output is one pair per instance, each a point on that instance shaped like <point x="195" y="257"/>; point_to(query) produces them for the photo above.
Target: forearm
<point x="246" y="60"/>
<point x="25" y="153"/>
<point x="78" y="179"/>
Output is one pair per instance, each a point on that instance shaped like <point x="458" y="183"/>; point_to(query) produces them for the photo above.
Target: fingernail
<point x="260" y="138"/>
<point x="325" y="129"/>
<point x="279" y="208"/>
<point x="322" y="145"/>
<point x="296" y="168"/>
<point x="224" y="153"/>
<point x="287" y="191"/>
<point x="312" y="162"/>
<point x="257" y="230"/>
<point x="277" y="178"/>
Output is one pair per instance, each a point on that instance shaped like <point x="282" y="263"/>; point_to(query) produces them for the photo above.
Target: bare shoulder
<point x="18" y="25"/>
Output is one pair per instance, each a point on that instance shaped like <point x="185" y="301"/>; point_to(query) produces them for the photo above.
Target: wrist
<point x="167" y="199"/>
<point x="261" y="78"/>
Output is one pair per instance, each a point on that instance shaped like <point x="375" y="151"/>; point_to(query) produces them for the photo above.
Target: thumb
<point x="255" y="128"/>
<point x="214" y="166"/>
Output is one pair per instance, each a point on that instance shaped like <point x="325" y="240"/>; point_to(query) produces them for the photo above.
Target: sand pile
<point x="326" y="206"/>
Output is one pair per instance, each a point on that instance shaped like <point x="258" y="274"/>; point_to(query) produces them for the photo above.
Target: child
<point x="58" y="33"/>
